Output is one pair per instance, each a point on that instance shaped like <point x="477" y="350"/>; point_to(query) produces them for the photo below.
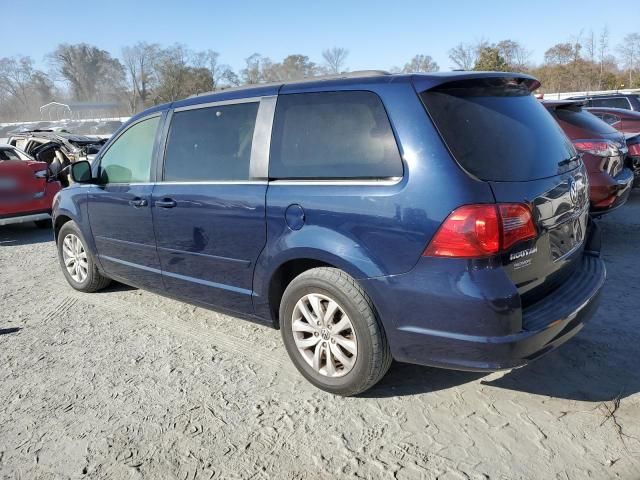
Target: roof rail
<point x="319" y="78"/>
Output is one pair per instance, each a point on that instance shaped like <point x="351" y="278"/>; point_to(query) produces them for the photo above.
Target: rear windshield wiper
<point x="569" y="160"/>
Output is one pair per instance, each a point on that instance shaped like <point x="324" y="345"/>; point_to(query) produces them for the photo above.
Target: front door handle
<point x="166" y="203"/>
<point x="138" y="202"/>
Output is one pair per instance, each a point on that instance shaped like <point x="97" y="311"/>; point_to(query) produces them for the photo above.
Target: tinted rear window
<point x="498" y="133"/>
<point x="615" y="102"/>
<point x="211" y="144"/>
<point x="333" y="135"/>
<point x="580" y="118"/>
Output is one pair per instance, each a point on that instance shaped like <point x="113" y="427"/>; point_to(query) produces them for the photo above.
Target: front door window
<point x="128" y="159"/>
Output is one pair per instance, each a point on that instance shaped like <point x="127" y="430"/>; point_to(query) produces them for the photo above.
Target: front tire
<point x="78" y="265"/>
<point x="331" y="332"/>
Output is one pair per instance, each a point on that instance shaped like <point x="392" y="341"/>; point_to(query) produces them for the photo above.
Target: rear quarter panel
<point x="370" y="230"/>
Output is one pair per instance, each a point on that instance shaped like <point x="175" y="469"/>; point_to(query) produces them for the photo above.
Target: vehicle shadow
<point x="404" y="379"/>
<point x="115" y="286"/>
<point x="24" y="234"/>
<point x="580" y="370"/>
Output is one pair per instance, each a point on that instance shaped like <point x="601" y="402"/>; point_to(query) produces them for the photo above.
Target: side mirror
<point x="81" y="172"/>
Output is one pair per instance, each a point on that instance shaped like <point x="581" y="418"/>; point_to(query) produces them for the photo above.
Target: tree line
<point x="147" y="74"/>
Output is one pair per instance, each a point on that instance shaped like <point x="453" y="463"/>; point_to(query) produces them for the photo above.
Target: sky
<point x="378" y="34"/>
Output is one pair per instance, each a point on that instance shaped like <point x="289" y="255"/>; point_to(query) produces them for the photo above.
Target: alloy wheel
<point x="75" y="258"/>
<point x="324" y="335"/>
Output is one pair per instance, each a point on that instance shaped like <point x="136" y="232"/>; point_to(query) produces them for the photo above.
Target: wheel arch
<point x="282" y="276"/>
<point x="288" y="268"/>
<point x="58" y="223"/>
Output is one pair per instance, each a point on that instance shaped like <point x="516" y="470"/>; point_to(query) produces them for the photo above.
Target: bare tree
<point x="335" y="59"/>
<point x="559" y="54"/>
<point x="556" y="74"/>
<point x="421" y="63"/>
<point x="221" y="74"/>
<point x="463" y="55"/>
<point x="514" y="54"/>
<point x="178" y="77"/>
<point x="293" y="67"/>
<point x="16" y="74"/>
<point x="590" y="47"/>
<point x="630" y="51"/>
<point x="252" y="73"/>
<point x="603" y="52"/>
<point x="90" y="72"/>
<point x="22" y="88"/>
<point x="139" y="61"/>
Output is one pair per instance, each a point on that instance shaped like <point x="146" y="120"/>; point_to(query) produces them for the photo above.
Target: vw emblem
<point x="573" y="191"/>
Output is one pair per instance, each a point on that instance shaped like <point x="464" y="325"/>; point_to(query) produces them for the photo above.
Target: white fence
<point x="563" y="95"/>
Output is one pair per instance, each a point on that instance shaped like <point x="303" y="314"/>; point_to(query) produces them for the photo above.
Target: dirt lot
<point x="127" y="384"/>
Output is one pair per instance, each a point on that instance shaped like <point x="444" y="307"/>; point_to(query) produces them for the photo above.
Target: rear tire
<point x="331" y="332"/>
<point x="78" y="265"/>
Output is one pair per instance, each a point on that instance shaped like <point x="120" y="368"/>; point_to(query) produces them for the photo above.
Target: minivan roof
<point x="423" y="81"/>
<point x="426" y="80"/>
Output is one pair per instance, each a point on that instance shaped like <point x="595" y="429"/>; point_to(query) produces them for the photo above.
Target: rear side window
<point x="498" y="132"/>
<point x="211" y="144"/>
<point x="580" y="118"/>
<point x="333" y="135"/>
<point x="610" y="118"/>
<point x="617" y="102"/>
<point x="6" y="154"/>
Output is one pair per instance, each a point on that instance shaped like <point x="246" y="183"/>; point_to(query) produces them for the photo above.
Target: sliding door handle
<point x="166" y="203"/>
<point x="138" y="202"/>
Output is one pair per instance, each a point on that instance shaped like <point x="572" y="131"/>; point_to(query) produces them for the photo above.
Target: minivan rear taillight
<point x="473" y="231"/>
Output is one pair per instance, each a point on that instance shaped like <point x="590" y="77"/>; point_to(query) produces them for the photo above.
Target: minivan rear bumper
<point x="542" y="327"/>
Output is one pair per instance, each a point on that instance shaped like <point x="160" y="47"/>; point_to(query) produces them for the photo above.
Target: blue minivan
<point x="436" y="219"/>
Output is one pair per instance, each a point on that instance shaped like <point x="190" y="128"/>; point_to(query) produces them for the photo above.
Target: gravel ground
<point x="128" y="384"/>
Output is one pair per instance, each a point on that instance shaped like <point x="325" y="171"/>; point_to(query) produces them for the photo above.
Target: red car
<point x="633" y="144"/>
<point x="26" y="189"/>
<point x="627" y="121"/>
<point x="603" y="150"/>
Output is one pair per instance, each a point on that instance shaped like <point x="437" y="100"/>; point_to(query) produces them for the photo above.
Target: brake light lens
<point x="517" y="224"/>
<point x="634" y="150"/>
<point x="474" y="231"/>
<point x="601" y="148"/>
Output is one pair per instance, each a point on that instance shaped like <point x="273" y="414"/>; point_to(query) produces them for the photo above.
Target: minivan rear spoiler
<point x="466" y="79"/>
<point x="563" y="103"/>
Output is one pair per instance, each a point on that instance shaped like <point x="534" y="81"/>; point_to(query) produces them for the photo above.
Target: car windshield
<point x="498" y="133"/>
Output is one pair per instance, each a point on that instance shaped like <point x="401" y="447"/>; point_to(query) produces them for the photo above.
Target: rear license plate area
<point x="568" y="236"/>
